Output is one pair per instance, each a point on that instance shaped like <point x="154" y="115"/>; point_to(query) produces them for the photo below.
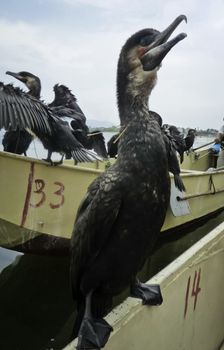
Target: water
<point x="36" y="149"/>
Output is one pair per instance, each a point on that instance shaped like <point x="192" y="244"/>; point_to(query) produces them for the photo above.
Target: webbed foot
<point x="93" y="334"/>
<point x="48" y="161"/>
<point x="51" y="163"/>
<point x="150" y="294"/>
<point x="57" y="163"/>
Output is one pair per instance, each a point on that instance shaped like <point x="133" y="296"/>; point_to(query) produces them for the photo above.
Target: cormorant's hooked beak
<point x="14" y="75"/>
<point x="160" y="47"/>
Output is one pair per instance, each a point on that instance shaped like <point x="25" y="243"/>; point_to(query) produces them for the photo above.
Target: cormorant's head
<point x="63" y="92"/>
<point x="192" y="132"/>
<point x="30" y="80"/>
<point x="157" y="117"/>
<point x="141" y="57"/>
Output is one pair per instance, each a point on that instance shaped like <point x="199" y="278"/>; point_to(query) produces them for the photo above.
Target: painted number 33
<point x="41" y="191"/>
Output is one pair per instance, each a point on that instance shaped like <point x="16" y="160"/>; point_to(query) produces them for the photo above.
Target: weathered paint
<point x="192" y="314"/>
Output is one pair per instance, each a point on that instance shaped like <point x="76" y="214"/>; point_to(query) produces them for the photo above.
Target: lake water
<point x="36" y="149"/>
<point x="36" y="307"/>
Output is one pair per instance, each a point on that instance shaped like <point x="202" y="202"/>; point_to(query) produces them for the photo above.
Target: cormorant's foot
<point x="150" y="294"/>
<point x="53" y="163"/>
<point x="48" y="161"/>
<point x="57" y="163"/>
<point x="93" y="334"/>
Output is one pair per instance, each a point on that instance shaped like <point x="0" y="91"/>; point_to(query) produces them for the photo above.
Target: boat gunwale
<point x="184" y="172"/>
<point x="41" y="162"/>
<point x="130" y="307"/>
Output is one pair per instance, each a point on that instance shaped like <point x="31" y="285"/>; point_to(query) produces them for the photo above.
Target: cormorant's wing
<point x="67" y="142"/>
<point x="98" y="143"/>
<point x="79" y="123"/>
<point x="19" y="109"/>
<point x="63" y="111"/>
<point x="96" y="216"/>
<point x="173" y="164"/>
<point x="76" y="109"/>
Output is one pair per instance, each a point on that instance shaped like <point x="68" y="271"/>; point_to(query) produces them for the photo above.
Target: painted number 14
<point x="192" y="291"/>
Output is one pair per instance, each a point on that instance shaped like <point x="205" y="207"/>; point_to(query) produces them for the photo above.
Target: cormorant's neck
<point x="34" y="90"/>
<point x="132" y="106"/>
<point x="133" y="95"/>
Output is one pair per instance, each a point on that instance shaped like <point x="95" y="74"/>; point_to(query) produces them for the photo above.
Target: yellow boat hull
<point x="39" y="202"/>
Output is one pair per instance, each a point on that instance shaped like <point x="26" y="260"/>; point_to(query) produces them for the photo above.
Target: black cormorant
<point x="174" y="143"/>
<point x="20" y="110"/>
<point x="90" y="140"/>
<point x="176" y="138"/>
<point x="63" y="97"/>
<point x="124" y="209"/>
<point x="189" y="139"/>
<point x="112" y="146"/>
<point x="18" y="141"/>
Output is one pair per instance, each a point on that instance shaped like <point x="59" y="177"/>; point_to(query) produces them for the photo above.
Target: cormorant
<point x="22" y="110"/>
<point x="174" y="142"/>
<point x="120" y="218"/>
<point x="176" y="138"/>
<point x="112" y="146"/>
<point x="189" y="139"/>
<point x="18" y="141"/>
<point x="63" y="97"/>
<point x="90" y="140"/>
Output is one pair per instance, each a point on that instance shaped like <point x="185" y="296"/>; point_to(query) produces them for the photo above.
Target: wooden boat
<point x="39" y="203"/>
<point x="192" y="313"/>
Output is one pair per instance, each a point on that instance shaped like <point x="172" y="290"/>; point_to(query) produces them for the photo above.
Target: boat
<point x="192" y="313"/>
<point x="39" y="202"/>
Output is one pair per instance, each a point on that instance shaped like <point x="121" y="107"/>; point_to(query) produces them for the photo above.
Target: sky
<point x="77" y="43"/>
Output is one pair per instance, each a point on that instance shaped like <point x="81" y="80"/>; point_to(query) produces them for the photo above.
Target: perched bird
<point x="176" y="138"/>
<point x="189" y="139"/>
<point x="174" y="143"/>
<point x="90" y="140"/>
<point x="112" y="146"/>
<point x="65" y="105"/>
<point x="18" y="141"/>
<point x="22" y="110"/>
<point x="121" y="215"/>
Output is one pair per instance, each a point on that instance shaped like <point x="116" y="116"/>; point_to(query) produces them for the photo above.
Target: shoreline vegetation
<point x="200" y="132"/>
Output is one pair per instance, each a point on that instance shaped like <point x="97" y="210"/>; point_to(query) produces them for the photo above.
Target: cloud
<point x="189" y="89"/>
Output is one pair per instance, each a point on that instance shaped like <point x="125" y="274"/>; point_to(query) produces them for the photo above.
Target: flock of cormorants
<point x="63" y="139"/>
<point x="122" y="213"/>
<point x="24" y="115"/>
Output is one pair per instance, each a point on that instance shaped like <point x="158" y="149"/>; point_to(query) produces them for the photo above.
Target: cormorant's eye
<point x="146" y="40"/>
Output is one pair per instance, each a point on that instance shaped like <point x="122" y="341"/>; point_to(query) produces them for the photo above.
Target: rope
<point x="211" y="184"/>
<point x="119" y="136"/>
